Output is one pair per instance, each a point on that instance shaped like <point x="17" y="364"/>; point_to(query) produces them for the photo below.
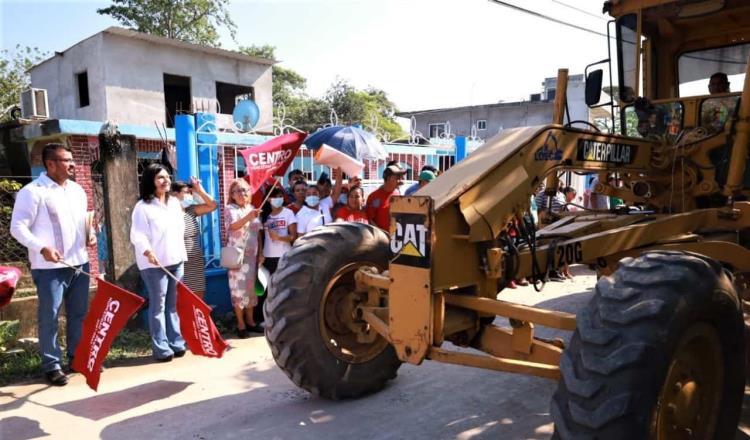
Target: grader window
<point x="696" y="68"/>
<point x="716" y="111"/>
<point x="656" y="121"/>
<point x="627" y="53"/>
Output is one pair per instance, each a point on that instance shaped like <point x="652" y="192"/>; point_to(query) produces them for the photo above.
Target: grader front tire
<point x="658" y="354"/>
<point x="308" y="308"/>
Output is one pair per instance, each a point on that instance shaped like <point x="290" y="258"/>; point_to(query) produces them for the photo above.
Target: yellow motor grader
<point x="659" y="351"/>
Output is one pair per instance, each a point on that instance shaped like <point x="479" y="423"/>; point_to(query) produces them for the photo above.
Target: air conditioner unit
<point x="34" y="104"/>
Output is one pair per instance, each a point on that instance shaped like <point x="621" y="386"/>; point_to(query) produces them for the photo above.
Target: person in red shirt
<point x="379" y="201"/>
<point x="353" y="210"/>
<point x="299" y="190"/>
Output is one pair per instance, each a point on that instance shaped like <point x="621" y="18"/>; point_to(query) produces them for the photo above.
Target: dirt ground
<point x="244" y="395"/>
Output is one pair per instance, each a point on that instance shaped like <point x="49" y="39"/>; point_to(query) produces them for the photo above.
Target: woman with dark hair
<point x="195" y="275"/>
<point x="354" y="211"/>
<point x="280" y="226"/>
<point x="157" y="234"/>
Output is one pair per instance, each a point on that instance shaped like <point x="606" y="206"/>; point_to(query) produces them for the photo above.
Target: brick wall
<point x="85" y="152"/>
<point x="226" y="175"/>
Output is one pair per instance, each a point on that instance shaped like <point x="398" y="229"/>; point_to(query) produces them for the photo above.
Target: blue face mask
<point x="277" y="202"/>
<point x="343" y="199"/>
<point x="312" y="200"/>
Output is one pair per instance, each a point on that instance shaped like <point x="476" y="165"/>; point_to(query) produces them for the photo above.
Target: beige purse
<point x="232" y="257"/>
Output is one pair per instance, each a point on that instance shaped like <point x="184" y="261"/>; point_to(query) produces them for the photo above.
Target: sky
<point x="424" y="53"/>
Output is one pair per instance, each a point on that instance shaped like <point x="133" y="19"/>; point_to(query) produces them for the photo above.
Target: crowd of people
<point x="51" y="220"/>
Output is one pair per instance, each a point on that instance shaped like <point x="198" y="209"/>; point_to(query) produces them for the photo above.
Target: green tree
<point x="370" y="107"/>
<point x="288" y="85"/>
<point x="195" y="21"/>
<point x="13" y="77"/>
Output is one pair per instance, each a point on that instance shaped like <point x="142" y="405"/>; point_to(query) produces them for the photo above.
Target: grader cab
<point x="659" y="350"/>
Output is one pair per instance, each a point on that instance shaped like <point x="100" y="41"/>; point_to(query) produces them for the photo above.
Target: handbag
<point x="232" y="257"/>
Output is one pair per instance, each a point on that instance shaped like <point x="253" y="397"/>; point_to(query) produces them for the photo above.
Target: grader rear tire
<point x="658" y="353"/>
<point x="309" y="308"/>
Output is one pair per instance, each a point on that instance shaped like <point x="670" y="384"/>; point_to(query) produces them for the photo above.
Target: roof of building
<point x="156" y="39"/>
<point x="471" y="107"/>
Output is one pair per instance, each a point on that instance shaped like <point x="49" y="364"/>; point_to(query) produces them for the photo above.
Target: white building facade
<point x="134" y="78"/>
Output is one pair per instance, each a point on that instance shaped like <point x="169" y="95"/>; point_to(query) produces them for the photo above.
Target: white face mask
<point x="187" y="200"/>
<point x="277" y="202"/>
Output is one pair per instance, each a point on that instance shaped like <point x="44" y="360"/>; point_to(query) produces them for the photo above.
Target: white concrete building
<point x="135" y="78"/>
<point x="487" y="120"/>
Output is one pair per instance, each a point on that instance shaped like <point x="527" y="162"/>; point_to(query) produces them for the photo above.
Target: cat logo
<point x="410" y="240"/>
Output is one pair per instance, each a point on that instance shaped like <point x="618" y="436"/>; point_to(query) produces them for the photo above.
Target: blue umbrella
<point x="353" y="141"/>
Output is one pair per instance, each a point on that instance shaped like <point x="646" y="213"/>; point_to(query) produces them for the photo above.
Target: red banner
<point x="9" y="277"/>
<point x="196" y="325"/>
<point x="108" y="313"/>
<point x="271" y="158"/>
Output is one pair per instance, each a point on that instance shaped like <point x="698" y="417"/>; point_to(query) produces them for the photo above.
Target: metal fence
<point x="372" y="173"/>
<point x="11" y="251"/>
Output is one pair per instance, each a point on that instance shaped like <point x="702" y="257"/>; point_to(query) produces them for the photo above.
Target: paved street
<point x="244" y="395"/>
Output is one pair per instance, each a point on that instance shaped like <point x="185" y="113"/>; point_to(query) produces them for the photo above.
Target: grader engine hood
<point x="496" y="182"/>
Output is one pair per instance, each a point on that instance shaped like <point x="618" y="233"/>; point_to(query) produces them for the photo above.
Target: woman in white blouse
<point x="157" y="235"/>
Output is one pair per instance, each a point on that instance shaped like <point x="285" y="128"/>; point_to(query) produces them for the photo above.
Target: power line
<point x="547" y="17"/>
<point x="578" y="9"/>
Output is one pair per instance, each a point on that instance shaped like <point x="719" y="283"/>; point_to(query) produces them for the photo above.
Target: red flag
<point x="108" y="313"/>
<point x="196" y="325"/>
<point x="9" y="277"/>
<point x="271" y="158"/>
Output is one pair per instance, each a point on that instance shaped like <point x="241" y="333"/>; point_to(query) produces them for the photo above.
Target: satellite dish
<point x="246" y="114"/>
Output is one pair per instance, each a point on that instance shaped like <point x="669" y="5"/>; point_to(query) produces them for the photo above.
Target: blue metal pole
<point x="208" y="173"/>
<point x="460" y="148"/>
<point x="187" y="154"/>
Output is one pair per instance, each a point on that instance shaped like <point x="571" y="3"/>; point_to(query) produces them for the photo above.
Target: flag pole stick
<point x="77" y="269"/>
<point x="169" y="273"/>
<point x="275" y="181"/>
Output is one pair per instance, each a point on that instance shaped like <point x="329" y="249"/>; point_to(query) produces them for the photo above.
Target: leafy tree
<point x="288" y="85"/>
<point x="195" y="21"/>
<point x="370" y="107"/>
<point x="13" y="77"/>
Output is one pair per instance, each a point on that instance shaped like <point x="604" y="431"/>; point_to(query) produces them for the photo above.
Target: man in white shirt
<point x="50" y="219"/>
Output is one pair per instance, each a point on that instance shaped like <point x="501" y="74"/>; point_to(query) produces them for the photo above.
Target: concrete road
<point x="244" y="395"/>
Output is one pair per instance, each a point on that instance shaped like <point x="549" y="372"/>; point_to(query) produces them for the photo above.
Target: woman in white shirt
<point x="157" y="233"/>
<point x="312" y="214"/>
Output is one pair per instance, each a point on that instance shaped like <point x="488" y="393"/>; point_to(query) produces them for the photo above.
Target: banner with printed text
<point x="108" y="313"/>
<point x="271" y="158"/>
<point x="197" y="328"/>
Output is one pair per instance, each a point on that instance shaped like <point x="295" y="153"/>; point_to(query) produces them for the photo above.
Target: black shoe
<point x="179" y="354"/>
<point x="165" y="359"/>
<point x="242" y="333"/>
<point x="56" y="378"/>
<point x="257" y="328"/>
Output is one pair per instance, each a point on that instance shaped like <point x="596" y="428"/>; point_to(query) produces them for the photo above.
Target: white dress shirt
<point x="309" y="219"/>
<point x="46" y="214"/>
<point x="159" y="228"/>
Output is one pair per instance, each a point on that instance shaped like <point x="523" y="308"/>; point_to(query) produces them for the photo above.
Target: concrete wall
<point x="58" y="77"/>
<point x="497" y="116"/>
<point x="506" y="115"/>
<point x="135" y="84"/>
<point x="126" y="80"/>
